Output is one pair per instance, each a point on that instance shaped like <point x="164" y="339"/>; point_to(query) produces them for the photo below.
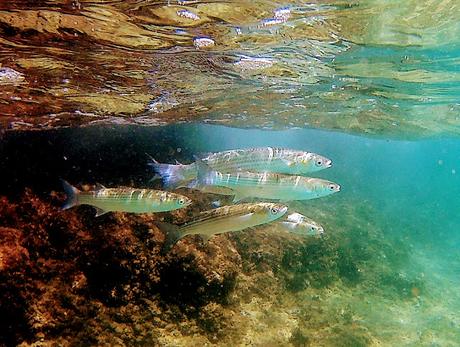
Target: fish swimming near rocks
<point x="124" y="199"/>
<point x="223" y="219"/>
<point x="264" y="185"/>
<point x="299" y="224"/>
<point x="264" y="159"/>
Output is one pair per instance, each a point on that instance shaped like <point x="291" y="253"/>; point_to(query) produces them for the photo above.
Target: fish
<point x="223" y="219"/>
<point x="124" y="199"/>
<point x="264" y="159"/>
<point x="266" y="185"/>
<point x="297" y="223"/>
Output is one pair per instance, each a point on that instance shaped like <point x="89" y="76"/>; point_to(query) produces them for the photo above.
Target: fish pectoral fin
<point x="245" y="217"/>
<point x="100" y="211"/>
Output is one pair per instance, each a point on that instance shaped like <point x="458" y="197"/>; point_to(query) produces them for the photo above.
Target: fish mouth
<point x="284" y="210"/>
<point x="328" y="164"/>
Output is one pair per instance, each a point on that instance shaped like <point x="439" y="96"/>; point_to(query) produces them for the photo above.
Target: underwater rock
<point x="15" y="268"/>
<point x="13" y="255"/>
<point x="67" y="277"/>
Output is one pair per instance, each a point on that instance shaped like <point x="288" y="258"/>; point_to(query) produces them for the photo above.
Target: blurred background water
<point x="374" y="85"/>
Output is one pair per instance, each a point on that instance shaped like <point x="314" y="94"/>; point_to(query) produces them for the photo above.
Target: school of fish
<point x="256" y="173"/>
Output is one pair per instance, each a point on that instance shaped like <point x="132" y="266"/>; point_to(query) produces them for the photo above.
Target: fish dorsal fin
<point x="152" y="159"/>
<point x="100" y="211"/>
<point x="202" y="155"/>
<point x="100" y="186"/>
<point x="178" y="162"/>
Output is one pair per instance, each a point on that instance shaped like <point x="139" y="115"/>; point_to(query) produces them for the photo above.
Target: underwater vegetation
<point x="70" y="278"/>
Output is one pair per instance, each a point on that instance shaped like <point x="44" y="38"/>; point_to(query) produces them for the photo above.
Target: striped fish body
<point x="233" y="218"/>
<point x="266" y="159"/>
<point x="266" y="185"/>
<point x="131" y="200"/>
<point x="125" y="199"/>
<point x="225" y="219"/>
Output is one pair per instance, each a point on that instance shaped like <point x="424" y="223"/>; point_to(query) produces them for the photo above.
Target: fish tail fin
<point x="72" y="195"/>
<point x="172" y="235"/>
<point x="172" y="175"/>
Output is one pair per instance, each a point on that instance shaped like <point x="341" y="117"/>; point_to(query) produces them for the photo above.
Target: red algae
<point x="67" y="273"/>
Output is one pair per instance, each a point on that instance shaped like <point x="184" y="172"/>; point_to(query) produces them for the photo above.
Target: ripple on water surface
<point x="371" y="67"/>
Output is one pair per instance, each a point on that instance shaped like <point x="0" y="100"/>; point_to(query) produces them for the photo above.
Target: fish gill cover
<point x="384" y="271"/>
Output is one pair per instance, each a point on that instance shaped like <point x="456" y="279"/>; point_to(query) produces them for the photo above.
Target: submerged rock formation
<point x="73" y="279"/>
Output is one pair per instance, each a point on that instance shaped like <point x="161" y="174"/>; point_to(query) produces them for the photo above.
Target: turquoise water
<point x="412" y="188"/>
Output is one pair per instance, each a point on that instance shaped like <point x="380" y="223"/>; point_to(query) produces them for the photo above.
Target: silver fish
<point x="124" y="199"/>
<point x="297" y="223"/>
<point x="224" y="219"/>
<point x="265" y="185"/>
<point x="265" y="159"/>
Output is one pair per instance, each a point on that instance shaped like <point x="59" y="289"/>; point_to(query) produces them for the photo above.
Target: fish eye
<point x="274" y="210"/>
<point x="319" y="162"/>
<point x="181" y="201"/>
<point x="331" y="187"/>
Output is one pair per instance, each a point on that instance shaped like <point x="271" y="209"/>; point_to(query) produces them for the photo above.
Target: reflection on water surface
<point x="376" y="67"/>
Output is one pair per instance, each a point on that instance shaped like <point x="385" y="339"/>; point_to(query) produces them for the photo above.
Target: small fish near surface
<point x="299" y="224"/>
<point x="264" y="185"/>
<point x="264" y="159"/>
<point x="124" y="199"/>
<point x="222" y="220"/>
